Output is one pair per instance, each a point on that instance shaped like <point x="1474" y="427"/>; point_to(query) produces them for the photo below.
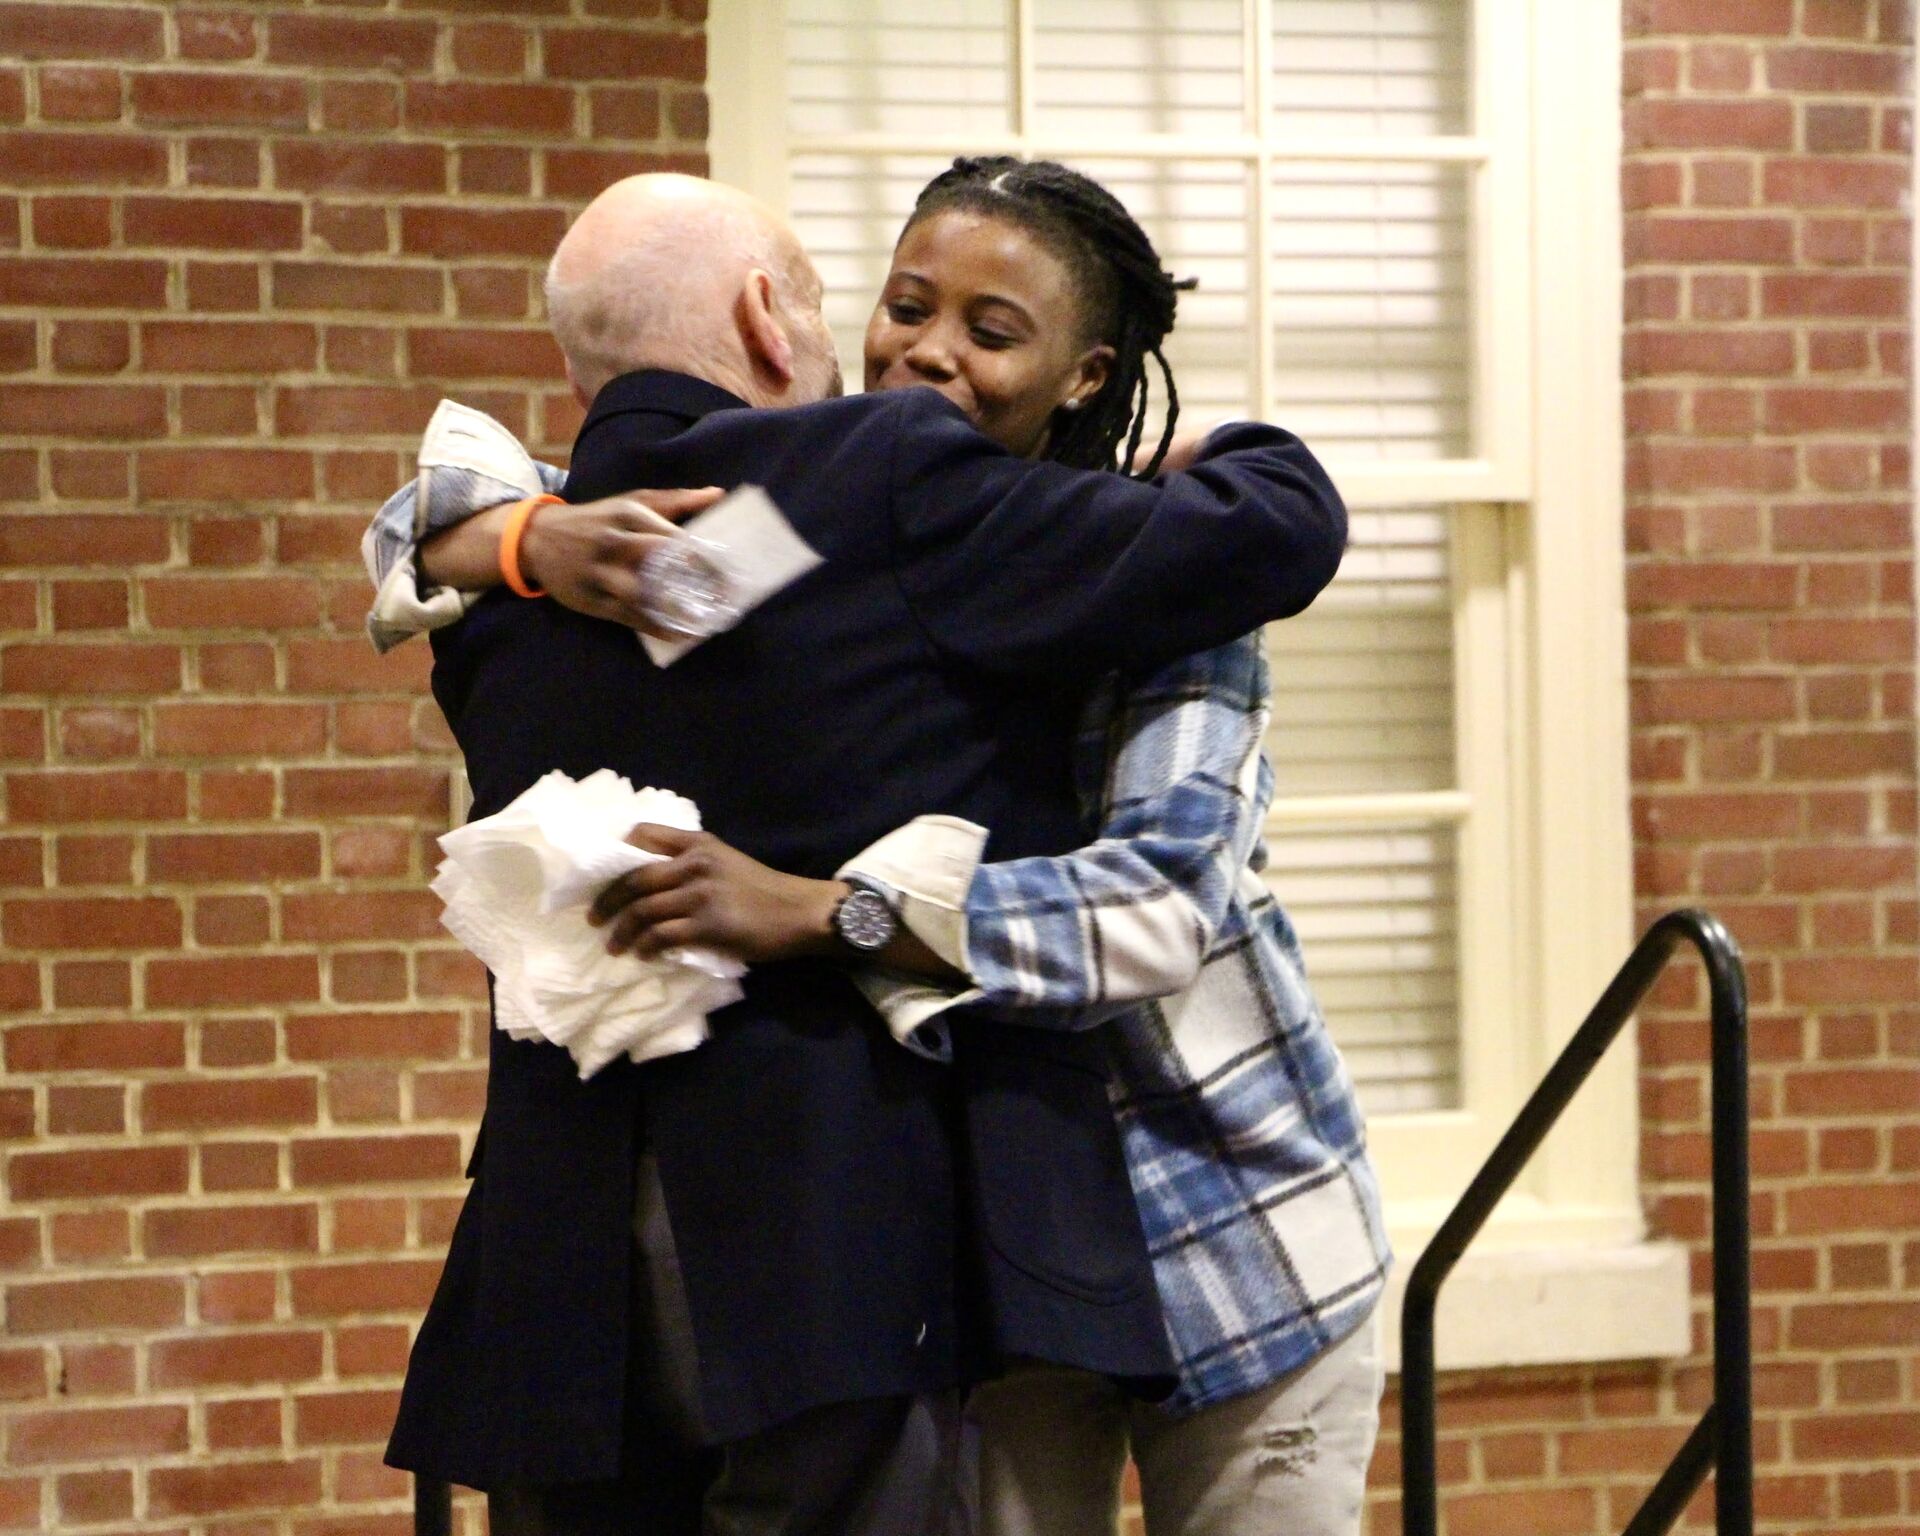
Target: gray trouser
<point x="879" y="1467"/>
<point x="1287" y="1461"/>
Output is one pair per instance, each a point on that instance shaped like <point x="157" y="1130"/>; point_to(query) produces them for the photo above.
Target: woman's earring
<point x="1070" y="405"/>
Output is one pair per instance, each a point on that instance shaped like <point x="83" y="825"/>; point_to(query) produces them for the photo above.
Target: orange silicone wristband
<point x="511" y="532"/>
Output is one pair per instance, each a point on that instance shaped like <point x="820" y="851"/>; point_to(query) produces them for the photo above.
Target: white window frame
<point x="1541" y="717"/>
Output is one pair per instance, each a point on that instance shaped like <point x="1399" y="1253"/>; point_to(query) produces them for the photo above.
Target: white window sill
<point x="1517" y="1307"/>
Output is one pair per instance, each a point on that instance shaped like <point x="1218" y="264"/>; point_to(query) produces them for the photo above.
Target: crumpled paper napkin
<point x="516" y="887"/>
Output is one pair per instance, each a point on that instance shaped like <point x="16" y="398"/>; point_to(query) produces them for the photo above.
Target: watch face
<point x="864" y="920"/>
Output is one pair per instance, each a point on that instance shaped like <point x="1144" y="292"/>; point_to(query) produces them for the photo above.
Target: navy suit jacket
<point x="851" y="1220"/>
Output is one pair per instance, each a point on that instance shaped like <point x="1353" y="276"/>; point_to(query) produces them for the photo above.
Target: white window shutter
<point x="883" y="66"/>
<point x="1363" y="680"/>
<point x="1392" y="67"/>
<point x="1138" y="66"/>
<point x="1371" y="308"/>
<point x="1375" y="910"/>
<point x="1363" y="691"/>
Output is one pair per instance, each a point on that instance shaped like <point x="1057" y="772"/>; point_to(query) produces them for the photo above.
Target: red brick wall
<point x="242" y="251"/>
<point x="1770" y="581"/>
<point x="1769" y="547"/>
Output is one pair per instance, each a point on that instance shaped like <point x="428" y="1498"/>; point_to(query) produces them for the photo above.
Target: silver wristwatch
<point x="864" y="919"/>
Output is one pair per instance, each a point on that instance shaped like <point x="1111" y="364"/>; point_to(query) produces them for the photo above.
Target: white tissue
<point x="517" y="886"/>
<point x="762" y="554"/>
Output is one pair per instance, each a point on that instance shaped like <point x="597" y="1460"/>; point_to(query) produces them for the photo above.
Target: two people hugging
<point x="1027" y="1149"/>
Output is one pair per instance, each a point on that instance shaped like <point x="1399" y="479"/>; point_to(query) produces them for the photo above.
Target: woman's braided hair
<point x="1127" y="295"/>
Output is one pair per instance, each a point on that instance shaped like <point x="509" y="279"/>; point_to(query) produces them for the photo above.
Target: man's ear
<point x="573" y="383"/>
<point x="1092" y="372"/>
<point x="761" y="330"/>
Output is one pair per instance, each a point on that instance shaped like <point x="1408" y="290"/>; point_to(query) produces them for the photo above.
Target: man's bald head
<point x="677" y="272"/>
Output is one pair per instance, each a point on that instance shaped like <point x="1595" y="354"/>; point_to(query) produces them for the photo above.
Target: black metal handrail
<point x="1723" y="1438"/>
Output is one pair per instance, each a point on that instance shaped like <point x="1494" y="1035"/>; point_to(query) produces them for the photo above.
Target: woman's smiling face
<point x="981" y="310"/>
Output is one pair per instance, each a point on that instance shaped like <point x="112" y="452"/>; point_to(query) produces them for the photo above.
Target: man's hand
<point x="706" y="894"/>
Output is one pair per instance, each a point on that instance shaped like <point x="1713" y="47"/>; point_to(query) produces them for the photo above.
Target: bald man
<point x="734" y="1291"/>
<point x="677" y="272"/>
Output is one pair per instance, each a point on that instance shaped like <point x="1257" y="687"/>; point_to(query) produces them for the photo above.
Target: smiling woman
<point x="958" y="314"/>
<point x="1096" y="264"/>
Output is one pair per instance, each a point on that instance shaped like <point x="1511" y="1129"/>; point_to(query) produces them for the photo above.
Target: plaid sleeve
<point x="1133" y="915"/>
<point x="391" y="537"/>
<point x="405" y="602"/>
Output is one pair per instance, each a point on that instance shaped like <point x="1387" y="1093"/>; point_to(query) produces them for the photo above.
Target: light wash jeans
<point x="1289" y="1461"/>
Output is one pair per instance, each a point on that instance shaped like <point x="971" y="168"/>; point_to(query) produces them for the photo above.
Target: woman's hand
<point x="585" y="557"/>
<point x="706" y="894"/>
<point x="588" y="557"/>
<point x="1184" y="451"/>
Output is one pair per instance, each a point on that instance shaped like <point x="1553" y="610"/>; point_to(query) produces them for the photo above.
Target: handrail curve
<point x="1723" y="1438"/>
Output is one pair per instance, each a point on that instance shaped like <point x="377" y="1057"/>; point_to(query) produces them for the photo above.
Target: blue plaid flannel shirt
<point x="1243" y="1140"/>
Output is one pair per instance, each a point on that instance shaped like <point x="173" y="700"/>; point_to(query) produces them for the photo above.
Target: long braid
<point x="1129" y="297"/>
